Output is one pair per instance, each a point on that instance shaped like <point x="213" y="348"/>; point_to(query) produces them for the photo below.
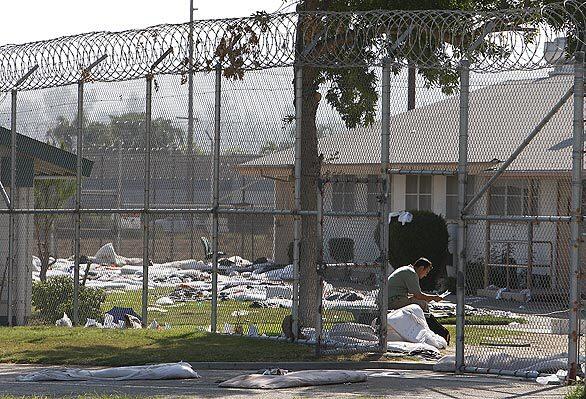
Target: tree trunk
<point x="42" y="227"/>
<point x="412" y="71"/>
<point x="310" y="170"/>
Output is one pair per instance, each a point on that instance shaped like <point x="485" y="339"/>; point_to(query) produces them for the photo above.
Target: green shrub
<point x="474" y="276"/>
<point x="341" y="249"/>
<point x="55" y="297"/>
<point x="290" y="252"/>
<point x="426" y="236"/>
<point x="578" y="392"/>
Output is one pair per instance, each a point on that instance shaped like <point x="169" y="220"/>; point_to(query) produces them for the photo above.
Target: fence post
<point x="119" y="199"/>
<point x="462" y="177"/>
<point x="190" y="133"/>
<point x="147" y="197"/>
<point x="297" y="205"/>
<point x="78" y="172"/>
<point x="147" y="187"/>
<point x="77" y="223"/>
<point x="13" y="198"/>
<point x="216" y="197"/>
<point x="384" y="202"/>
<point x="576" y="215"/>
<point x="320" y="265"/>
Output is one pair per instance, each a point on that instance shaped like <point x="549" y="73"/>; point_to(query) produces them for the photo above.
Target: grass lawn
<point x="82" y="346"/>
<point x="266" y="319"/>
<point x="92" y="396"/>
<point x="79" y="346"/>
<point x="187" y="339"/>
<point x="475" y="335"/>
<point x="579" y="392"/>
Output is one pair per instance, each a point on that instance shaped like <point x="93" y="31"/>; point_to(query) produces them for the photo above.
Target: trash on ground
<point x="295" y="379"/>
<point x="65" y="321"/>
<point x="163" y="371"/>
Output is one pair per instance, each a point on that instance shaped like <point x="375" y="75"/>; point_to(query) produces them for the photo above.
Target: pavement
<point x="382" y="383"/>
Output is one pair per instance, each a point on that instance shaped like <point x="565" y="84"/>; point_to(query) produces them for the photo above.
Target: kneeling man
<point x="404" y="286"/>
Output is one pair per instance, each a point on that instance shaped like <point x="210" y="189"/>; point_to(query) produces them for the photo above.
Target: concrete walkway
<point x="381" y="383"/>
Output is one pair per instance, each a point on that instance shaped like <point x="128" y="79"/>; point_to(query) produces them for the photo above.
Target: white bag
<point x="65" y="321"/>
<point x="409" y="322"/>
<point x="164" y="371"/>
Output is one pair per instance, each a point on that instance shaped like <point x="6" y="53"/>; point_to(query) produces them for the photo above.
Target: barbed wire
<point x="493" y="41"/>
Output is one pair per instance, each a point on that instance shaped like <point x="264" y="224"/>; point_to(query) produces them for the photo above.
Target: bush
<point x="578" y="392"/>
<point x="290" y="252"/>
<point x="55" y="297"/>
<point x="426" y="236"/>
<point x="474" y="276"/>
<point x="341" y="249"/>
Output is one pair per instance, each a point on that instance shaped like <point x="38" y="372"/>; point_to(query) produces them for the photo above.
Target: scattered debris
<point x="65" y="321"/>
<point x="164" y="301"/>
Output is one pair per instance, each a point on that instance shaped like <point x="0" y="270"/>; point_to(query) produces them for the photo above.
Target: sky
<point x="26" y="21"/>
<point x="247" y="102"/>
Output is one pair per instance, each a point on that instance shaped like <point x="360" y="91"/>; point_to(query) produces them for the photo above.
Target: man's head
<point x="422" y="267"/>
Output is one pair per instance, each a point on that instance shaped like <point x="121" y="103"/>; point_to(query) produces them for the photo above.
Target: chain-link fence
<point x="235" y="194"/>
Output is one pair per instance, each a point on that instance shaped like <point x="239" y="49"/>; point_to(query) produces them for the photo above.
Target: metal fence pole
<point x="462" y="177"/>
<point x="190" y="133"/>
<point x="78" y="172"/>
<point x="147" y="196"/>
<point x="320" y="265"/>
<point x="13" y="199"/>
<point x="297" y="205"/>
<point x="576" y="214"/>
<point x="77" y="221"/>
<point x="384" y="203"/>
<point x="119" y="199"/>
<point x="216" y="198"/>
<point x="147" y="187"/>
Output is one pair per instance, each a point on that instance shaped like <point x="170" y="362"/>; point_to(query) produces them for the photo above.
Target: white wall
<point x="361" y="230"/>
<point x="22" y="278"/>
<point x="543" y="254"/>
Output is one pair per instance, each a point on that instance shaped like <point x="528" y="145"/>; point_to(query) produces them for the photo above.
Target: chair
<point x="207" y="249"/>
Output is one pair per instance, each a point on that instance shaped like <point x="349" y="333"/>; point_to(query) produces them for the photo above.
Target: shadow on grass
<point x="127" y="348"/>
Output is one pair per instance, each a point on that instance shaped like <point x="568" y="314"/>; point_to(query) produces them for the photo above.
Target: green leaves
<point x="353" y="94"/>
<point x="128" y="128"/>
<point x="55" y="297"/>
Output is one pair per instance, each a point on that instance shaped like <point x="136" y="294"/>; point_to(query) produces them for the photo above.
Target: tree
<point x="426" y="236"/>
<point x="49" y="194"/>
<point x="271" y="146"/>
<point x="352" y="91"/>
<point x="129" y="128"/>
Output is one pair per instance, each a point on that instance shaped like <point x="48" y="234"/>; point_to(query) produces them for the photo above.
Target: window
<point x="514" y="197"/>
<point x="452" y="195"/>
<point x="418" y="193"/>
<point x="372" y="193"/>
<point x="343" y="193"/>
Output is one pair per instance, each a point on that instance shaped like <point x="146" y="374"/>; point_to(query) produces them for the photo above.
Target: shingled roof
<point x="501" y="117"/>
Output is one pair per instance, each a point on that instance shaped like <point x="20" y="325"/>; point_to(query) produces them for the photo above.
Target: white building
<point x="426" y="139"/>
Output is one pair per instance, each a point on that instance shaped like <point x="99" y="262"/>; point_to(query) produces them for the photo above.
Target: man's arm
<point x="412" y="282"/>
<point x="426" y="297"/>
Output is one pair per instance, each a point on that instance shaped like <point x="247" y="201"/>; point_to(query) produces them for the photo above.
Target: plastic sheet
<point x="163" y="371"/>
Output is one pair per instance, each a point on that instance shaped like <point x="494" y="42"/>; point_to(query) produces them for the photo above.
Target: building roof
<point x="48" y="160"/>
<point x="501" y="117"/>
